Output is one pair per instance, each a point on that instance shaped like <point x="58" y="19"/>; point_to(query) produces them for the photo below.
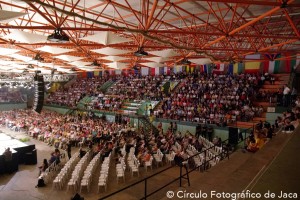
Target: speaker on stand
<point x="39" y="90"/>
<point x="233" y="136"/>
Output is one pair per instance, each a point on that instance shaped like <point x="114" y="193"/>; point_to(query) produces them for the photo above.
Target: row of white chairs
<point x="78" y="171"/>
<point x="212" y="158"/>
<point x="104" y="171"/>
<point x="207" y="144"/>
<point x="88" y="173"/>
<point x="120" y="168"/>
<point x="50" y="172"/>
<point x="170" y="157"/>
<point x="158" y="157"/>
<point x="62" y="176"/>
<point x="132" y="162"/>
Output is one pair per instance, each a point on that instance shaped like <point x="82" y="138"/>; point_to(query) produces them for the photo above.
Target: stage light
<point x="185" y="61"/>
<point x="140" y="52"/>
<point x="58" y="36"/>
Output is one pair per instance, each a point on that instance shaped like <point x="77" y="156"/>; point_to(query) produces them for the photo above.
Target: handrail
<point x="172" y="181"/>
<point x="133" y="184"/>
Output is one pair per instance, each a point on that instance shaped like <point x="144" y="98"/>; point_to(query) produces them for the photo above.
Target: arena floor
<point x="273" y="168"/>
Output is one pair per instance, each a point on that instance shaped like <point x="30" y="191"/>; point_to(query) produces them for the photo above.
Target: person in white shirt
<point x="286" y="95"/>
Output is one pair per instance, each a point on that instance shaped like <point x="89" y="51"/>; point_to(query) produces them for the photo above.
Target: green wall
<point x="58" y="109"/>
<point x="11" y="106"/>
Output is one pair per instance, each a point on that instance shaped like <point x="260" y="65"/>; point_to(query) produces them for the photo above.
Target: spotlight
<point x="58" y="36"/>
<point x="37" y="57"/>
<point x="185" y="61"/>
<point x="140" y="52"/>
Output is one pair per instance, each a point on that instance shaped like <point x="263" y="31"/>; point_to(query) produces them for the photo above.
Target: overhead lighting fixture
<point x="95" y="64"/>
<point x="38" y="57"/>
<point x="58" y="36"/>
<point x="140" y="52"/>
<point x="185" y="61"/>
<point x="30" y="66"/>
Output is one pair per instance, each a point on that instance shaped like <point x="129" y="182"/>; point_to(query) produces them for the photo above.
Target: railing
<point x="144" y="181"/>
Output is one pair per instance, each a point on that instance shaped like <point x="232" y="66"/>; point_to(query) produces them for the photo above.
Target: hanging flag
<point x="219" y="68"/>
<point x="177" y="69"/>
<point x="161" y="70"/>
<point x="187" y="68"/>
<point x="157" y="70"/>
<point x="252" y="67"/>
<point x="96" y="73"/>
<point x="167" y="70"/>
<point x="90" y="74"/>
<point x="144" y="71"/>
<point x="112" y="72"/>
<point x="152" y="71"/>
<point x="192" y="68"/>
<point x="241" y="67"/>
<point x="265" y="66"/>
<point x="83" y="74"/>
<point x="118" y="71"/>
<point x="205" y="67"/>
<point x="197" y="68"/>
<point x="230" y="69"/>
<point x="276" y="67"/>
<point x="271" y="67"/>
<point x="235" y="68"/>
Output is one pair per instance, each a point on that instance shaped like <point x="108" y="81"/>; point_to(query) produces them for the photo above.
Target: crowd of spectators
<point x="138" y="87"/>
<point x="212" y="98"/>
<point x="11" y="95"/>
<point x="166" y="142"/>
<point x="71" y="95"/>
<point x="129" y="88"/>
<point x="264" y="132"/>
<point x="58" y="130"/>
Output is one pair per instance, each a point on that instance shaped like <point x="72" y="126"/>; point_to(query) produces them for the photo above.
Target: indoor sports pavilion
<point x="149" y="99"/>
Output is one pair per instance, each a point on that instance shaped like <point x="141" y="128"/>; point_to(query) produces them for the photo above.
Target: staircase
<point x="166" y="87"/>
<point x="106" y="85"/>
<point x="131" y="107"/>
<point x="148" y="127"/>
<point x="85" y="100"/>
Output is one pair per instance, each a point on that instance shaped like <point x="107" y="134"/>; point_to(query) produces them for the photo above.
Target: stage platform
<point x="22" y="153"/>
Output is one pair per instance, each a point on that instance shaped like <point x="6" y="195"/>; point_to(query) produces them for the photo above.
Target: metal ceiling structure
<point x="221" y="30"/>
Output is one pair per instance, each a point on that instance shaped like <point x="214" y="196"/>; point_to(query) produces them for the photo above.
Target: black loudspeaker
<point x="39" y="90"/>
<point x="233" y="137"/>
<point x="198" y="130"/>
<point x="31" y="158"/>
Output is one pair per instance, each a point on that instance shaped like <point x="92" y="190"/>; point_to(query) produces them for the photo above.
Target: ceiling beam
<point x="270" y="12"/>
<point x="251" y="2"/>
<point x="183" y="32"/>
